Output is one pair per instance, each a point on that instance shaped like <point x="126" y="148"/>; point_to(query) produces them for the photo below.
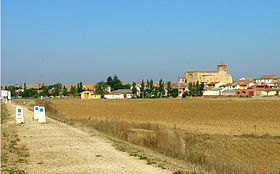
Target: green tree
<point x="74" y="91"/>
<point x="161" y="88"/>
<point x="201" y="88"/>
<point x="117" y="84"/>
<point x="80" y="87"/>
<point x="190" y="88"/>
<point x="134" y="90"/>
<point x="24" y="86"/>
<point x="169" y="89"/>
<point x="57" y="88"/>
<point x="110" y="82"/>
<point x="185" y="94"/>
<point x="142" y="89"/>
<point x="101" y="88"/>
<point x="155" y="92"/>
<point x="151" y="88"/>
<point x="174" y="92"/>
<point x="147" y="89"/>
<point x="195" y="89"/>
<point x="45" y="91"/>
<point x="30" y="93"/>
<point x="64" y="91"/>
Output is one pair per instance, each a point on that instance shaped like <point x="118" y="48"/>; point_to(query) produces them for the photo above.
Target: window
<point x="238" y="92"/>
<point x="244" y="92"/>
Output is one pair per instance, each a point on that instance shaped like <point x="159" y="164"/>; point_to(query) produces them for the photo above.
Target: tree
<point x="277" y="92"/>
<point x="117" y="84"/>
<point x="174" y="92"/>
<point x="74" y="91"/>
<point x="142" y="89"/>
<point x="195" y="89"/>
<point x="64" y="91"/>
<point x="151" y="88"/>
<point x="161" y="88"/>
<point x="24" y="86"/>
<point x="56" y="89"/>
<point x="109" y="81"/>
<point x="30" y="93"/>
<point x="169" y="88"/>
<point x="185" y="94"/>
<point x="45" y="91"/>
<point x="101" y="88"/>
<point x="134" y="89"/>
<point x="190" y="88"/>
<point x="201" y="88"/>
<point x="147" y="89"/>
<point x="80" y="87"/>
<point x="155" y="92"/>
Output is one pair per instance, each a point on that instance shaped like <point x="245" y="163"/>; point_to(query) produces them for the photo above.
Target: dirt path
<point x="59" y="148"/>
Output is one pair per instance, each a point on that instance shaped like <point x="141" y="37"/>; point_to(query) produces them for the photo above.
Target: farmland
<point x="227" y="135"/>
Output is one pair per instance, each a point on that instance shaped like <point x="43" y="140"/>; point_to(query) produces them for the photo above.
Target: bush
<point x="174" y="93"/>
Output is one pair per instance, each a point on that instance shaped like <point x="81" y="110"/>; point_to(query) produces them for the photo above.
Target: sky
<point x="69" y="41"/>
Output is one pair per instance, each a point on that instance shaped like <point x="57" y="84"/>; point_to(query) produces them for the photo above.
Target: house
<point x="88" y="87"/>
<point x="137" y="89"/>
<point x="244" y="85"/>
<point x="229" y="86"/>
<point x="89" y="95"/>
<point x="41" y="85"/>
<point x="215" y="84"/>
<point x="245" y="92"/>
<point x="266" y="92"/>
<point x="266" y="79"/>
<point x="215" y="91"/>
<point x="228" y="92"/>
<point x="119" y="94"/>
<point x="259" y="86"/>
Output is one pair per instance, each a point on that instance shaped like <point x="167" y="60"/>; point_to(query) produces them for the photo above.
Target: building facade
<point x="220" y="75"/>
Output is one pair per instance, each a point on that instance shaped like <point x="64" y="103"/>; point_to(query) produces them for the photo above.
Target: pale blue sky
<point x="71" y="41"/>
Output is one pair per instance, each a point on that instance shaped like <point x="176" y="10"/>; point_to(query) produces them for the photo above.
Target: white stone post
<point x="36" y="113"/>
<point x="42" y="116"/>
<point x="19" y="115"/>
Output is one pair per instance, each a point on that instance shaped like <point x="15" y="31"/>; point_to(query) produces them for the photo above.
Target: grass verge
<point x="13" y="153"/>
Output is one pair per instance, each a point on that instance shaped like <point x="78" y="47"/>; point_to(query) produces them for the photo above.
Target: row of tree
<point x="147" y="90"/>
<point x="45" y="91"/>
<point x="195" y="89"/>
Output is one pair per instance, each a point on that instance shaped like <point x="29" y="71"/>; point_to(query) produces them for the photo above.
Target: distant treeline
<point x="144" y="90"/>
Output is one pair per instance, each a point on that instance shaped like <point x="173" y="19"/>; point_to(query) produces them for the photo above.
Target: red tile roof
<point x="212" y="83"/>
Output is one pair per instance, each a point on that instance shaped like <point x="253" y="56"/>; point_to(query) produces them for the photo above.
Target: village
<point x="213" y="83"/>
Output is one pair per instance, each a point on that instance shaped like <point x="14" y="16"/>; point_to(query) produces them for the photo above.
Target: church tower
<point x="222" y="68"/>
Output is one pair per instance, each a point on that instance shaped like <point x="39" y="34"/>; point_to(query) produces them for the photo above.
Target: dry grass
<point x="227" y="135"/>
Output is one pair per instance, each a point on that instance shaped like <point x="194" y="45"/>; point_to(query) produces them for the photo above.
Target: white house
<point x="119" y="94"/>
<point x="212" y="92"/>
<point x="266" y="79"/>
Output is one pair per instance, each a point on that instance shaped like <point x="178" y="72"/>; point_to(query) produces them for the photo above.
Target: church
<point x="219" y="75"/>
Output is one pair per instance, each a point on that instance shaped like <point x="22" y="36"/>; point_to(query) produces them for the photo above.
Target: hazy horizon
<point x="72" y="41"/>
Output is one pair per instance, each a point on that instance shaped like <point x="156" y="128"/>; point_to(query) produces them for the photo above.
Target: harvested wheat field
<point x="224" y="135"/>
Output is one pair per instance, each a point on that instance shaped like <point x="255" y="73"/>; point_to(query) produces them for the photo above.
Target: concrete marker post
<point x="42" y="115"/>
<point x="19" y="115"/>
<point x="36" y="113"/>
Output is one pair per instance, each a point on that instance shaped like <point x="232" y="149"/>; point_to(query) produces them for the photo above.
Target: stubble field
<point x="224" y="135"/>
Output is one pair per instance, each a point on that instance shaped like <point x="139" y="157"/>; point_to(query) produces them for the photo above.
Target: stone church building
<point x="220" y="75"/>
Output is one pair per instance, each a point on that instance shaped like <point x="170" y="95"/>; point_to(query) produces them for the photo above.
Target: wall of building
<point x="245" y="92"/>
<point x="211" y="93"/>
<point x="220" y="75"/>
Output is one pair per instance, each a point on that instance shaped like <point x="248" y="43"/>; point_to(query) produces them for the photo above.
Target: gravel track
<point x="59" y="148"/>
